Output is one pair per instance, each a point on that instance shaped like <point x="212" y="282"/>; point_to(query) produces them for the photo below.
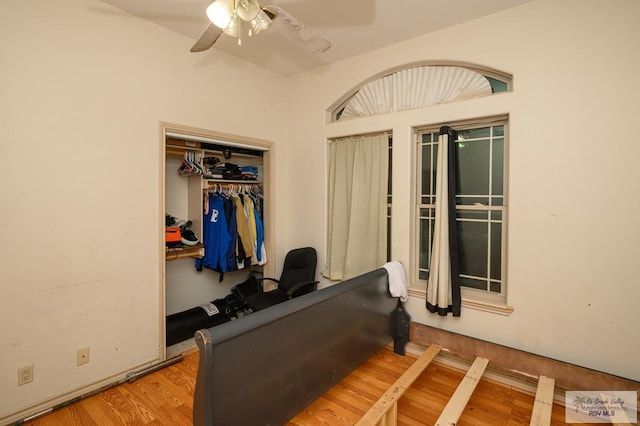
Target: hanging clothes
<point x="261" y="250"/>
<point x="230" y="212"/>
<point x="253" y="231"/>
<point x="244" y="236"/>
<point x="233" y="231"/>
<point x="216" y="236"/>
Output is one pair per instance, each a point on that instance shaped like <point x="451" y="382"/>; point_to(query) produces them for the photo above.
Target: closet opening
<point x="207" y="176"/>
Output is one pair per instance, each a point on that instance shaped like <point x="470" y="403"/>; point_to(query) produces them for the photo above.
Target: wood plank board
<point x="541" y="414"/>
<point x="389" y="399"/>
<point x="458" y="401"/>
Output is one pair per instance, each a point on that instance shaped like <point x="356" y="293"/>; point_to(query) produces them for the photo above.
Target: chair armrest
<point x="268" y="279"/>
<point x="299" y="286"/>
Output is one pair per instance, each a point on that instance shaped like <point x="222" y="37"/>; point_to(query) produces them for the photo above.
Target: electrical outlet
<point x="25" y="375"/>
<point x="82" y="357"/>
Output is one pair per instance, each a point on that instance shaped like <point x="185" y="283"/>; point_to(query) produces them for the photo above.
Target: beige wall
<point x="573" y="177"/>
<point x="83" y="88"/>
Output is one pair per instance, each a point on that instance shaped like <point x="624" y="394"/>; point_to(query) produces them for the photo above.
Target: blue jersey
<point x="216" y="237"/>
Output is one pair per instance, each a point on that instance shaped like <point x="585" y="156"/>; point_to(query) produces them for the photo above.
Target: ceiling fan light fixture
<point x="220" y="13"/>
<point x="247" y="10"/>
<point x="260" y="23"/>
<point x="234" y="29"/>
<point x="237" y="18"/>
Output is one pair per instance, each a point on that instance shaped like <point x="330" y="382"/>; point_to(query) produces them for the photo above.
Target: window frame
<point x="389" y="195"/>
<point x="473" y="298"/>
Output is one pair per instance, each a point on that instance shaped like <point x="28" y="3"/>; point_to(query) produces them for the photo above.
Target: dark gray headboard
<point x="265" y="368"/>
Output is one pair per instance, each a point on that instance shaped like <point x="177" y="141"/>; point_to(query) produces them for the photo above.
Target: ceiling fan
<point x="238" y="18"/>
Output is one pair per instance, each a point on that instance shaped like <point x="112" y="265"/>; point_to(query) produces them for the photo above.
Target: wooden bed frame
<point x="265" y="368"/>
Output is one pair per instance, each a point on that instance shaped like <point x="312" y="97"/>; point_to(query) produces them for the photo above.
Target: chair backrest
<point x="299" y="267"/>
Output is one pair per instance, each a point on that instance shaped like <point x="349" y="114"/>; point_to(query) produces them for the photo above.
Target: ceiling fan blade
<point x="207" y="39"/>
<point x="292" y="28"/>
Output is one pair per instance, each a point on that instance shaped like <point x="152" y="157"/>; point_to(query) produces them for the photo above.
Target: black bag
<point x="183" y="325"/>
<point x="246" y="289"/>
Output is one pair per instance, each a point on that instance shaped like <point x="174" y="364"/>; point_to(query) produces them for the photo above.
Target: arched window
<point x="418" y="87"/>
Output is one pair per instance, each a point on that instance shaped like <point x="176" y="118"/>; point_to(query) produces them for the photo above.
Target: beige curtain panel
<point x="357" y="232"/>
<point x="416" y="88"/>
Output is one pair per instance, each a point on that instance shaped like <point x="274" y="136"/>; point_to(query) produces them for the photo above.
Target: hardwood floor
<point x="165" y="398"/>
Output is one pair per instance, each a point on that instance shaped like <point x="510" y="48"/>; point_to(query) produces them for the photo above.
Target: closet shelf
<point x="179" y="150"/>
<point x="185" y="251"/>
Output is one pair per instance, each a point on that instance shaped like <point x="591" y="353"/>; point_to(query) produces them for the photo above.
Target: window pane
<point x="389" y="237"/>
<point x="482" y="132"/>
<point x="473" y="168"/>
<point x="498" y="131"/>
<point x="426" y="169"/>
<point x="497" y="181"/>
<point x="424" y="245"/>
<point x="426" y="232"/>
<point x="496" y="251"/>
<point x="495" y="287"/>
<point x="435" y="167"/>
<point x="496" y="215"/>
<point x="423" y="275"/>
<point x="472" y="240"/>
<point x="497" y="86"/>
<point x="427" y="213"/>
<point x="390" y="174"/>
<point x="470" y="201"/>
<point x="473" y="283"/>
<point x="472" y="214"/>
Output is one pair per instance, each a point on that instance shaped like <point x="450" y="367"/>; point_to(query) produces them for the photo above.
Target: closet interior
<point x="215" y="213"/>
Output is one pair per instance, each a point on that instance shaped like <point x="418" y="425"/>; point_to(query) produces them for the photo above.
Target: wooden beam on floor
<point x="455" y="406"/>
<point x="541" y="414"/>
<point x="385" y="411"/>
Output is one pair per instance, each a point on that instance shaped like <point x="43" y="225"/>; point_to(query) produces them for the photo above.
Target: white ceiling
<point x="352" y="26"/>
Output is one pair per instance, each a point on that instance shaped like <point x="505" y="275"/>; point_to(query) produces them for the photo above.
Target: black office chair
<point x="297" y="278"/>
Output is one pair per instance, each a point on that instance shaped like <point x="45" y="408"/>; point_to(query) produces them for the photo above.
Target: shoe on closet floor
<point x="189" y="238"/>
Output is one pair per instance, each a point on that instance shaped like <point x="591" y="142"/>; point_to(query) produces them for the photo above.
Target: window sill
<point x="478" y="305"/>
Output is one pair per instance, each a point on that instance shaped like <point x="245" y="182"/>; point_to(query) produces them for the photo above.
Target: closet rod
<point x="231" y="184"/>
<point x="234" y="187"/>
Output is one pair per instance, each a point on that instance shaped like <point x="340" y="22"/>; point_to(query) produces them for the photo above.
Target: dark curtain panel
<point x="451" y="283"/>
